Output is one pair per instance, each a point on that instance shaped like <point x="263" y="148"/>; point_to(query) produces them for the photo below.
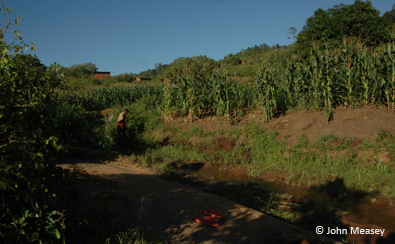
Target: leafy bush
<point x="128" y="78"/>
<point x="80" y="70"/>
<point x="33" y="191"/>
<point x="198" y="68"/>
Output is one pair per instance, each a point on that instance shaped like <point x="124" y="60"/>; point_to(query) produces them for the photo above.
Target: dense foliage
<point x="33" y="190"/>
<point x="359" y="20"/>
<point x="199" y="68"/>
<point x="34" y="129"/>
<point x="159" y="69"/>
<point x="390" y="15"/>
<point x="80" y="70"/>
<point x="95" y="99"/>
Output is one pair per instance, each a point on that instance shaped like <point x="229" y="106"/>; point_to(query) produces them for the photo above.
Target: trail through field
<point x="166" y="207"/>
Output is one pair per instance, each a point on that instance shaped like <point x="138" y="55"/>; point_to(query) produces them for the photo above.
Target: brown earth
<point x="358" y="124"/>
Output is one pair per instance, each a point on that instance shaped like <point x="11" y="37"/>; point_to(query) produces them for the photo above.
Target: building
<point x="101" y="75"/>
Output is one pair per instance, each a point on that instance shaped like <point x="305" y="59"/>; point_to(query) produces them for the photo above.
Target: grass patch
<point x="307" y="163"/>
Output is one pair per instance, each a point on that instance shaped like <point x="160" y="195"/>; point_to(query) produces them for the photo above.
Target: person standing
<point x="121" y="126"/>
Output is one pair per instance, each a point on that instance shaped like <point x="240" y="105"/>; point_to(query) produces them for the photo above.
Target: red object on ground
<point x="210" y="221"/>
<point x="213" y="212"/>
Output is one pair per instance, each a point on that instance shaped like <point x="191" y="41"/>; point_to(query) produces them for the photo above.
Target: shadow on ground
<point x="165" y="208"/>
<point x="326" y="205"/>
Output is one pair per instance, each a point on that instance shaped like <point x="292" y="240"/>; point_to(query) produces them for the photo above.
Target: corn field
<point x="101" y="98"/>
<point x="350" y="75"/>
<point x="220" y="95"/>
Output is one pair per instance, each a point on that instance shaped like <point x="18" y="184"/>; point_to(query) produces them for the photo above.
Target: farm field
<point x="286" y="140"/>
<point x="311" y="145"/>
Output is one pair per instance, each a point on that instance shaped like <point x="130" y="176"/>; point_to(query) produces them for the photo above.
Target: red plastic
<point x="210" y="221"/>
<point x="213" y="212"/>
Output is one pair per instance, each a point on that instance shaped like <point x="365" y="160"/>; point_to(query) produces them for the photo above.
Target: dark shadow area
<point x="195" y="166"/>
<point x="135" y="145"/>
<point x="120" y="200"/>
<point x="331" y="205"/>
<point x="337" y="188"/>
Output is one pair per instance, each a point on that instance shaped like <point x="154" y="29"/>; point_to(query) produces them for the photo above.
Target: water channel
<point x="363" y="209"/>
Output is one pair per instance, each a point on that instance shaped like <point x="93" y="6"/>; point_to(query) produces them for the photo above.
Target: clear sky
<point x="130" y="36"/>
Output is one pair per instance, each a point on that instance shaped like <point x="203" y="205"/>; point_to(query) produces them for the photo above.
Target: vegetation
<point x="80" y="70"/>
<point x="33" y="191"/>
<point x="198" y="68"/>
<point x="390" y="15"/>
<point x="335" y="62"/>
<point x="351" y="74"/>
<point x="35" y="130"/>
<point x="360" y="20"/>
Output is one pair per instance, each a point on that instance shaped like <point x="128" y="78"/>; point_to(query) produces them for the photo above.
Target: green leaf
<point x="57" y="234"/>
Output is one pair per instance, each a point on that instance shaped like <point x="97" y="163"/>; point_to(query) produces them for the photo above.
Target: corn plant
<point x="388" y="73"/>
<point x="168" y="102"/>
<point x="226" y="96"/>
<point x="266" y="94"/>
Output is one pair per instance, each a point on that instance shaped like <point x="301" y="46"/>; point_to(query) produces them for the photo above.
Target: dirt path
<point x="167" y="208"/>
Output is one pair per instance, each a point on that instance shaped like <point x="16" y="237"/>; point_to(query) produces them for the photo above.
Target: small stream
<point x="365" y="211"/>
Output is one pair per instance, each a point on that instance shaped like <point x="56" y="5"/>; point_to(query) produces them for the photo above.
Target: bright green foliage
<point x="220" y="95"/>
<point x="350" y="74"/>
<point x="227" y="95"/>
<point x="266" y="91"/>
<point x="359" y="20"/>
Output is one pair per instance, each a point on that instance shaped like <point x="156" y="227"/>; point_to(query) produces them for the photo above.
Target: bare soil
<point x="357" y="124"/>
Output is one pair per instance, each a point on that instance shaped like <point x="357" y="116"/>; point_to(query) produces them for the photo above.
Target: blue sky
<point x="130" y="36"/>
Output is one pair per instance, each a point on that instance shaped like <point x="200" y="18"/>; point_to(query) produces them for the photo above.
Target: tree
<point x="81" y="70"/>
<point x="360" y="20"/>
<point x="292" y="34"/>
<point x="198" y="68"/>
<point x="390" y="15"/>
<point x="29" y="62"/>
